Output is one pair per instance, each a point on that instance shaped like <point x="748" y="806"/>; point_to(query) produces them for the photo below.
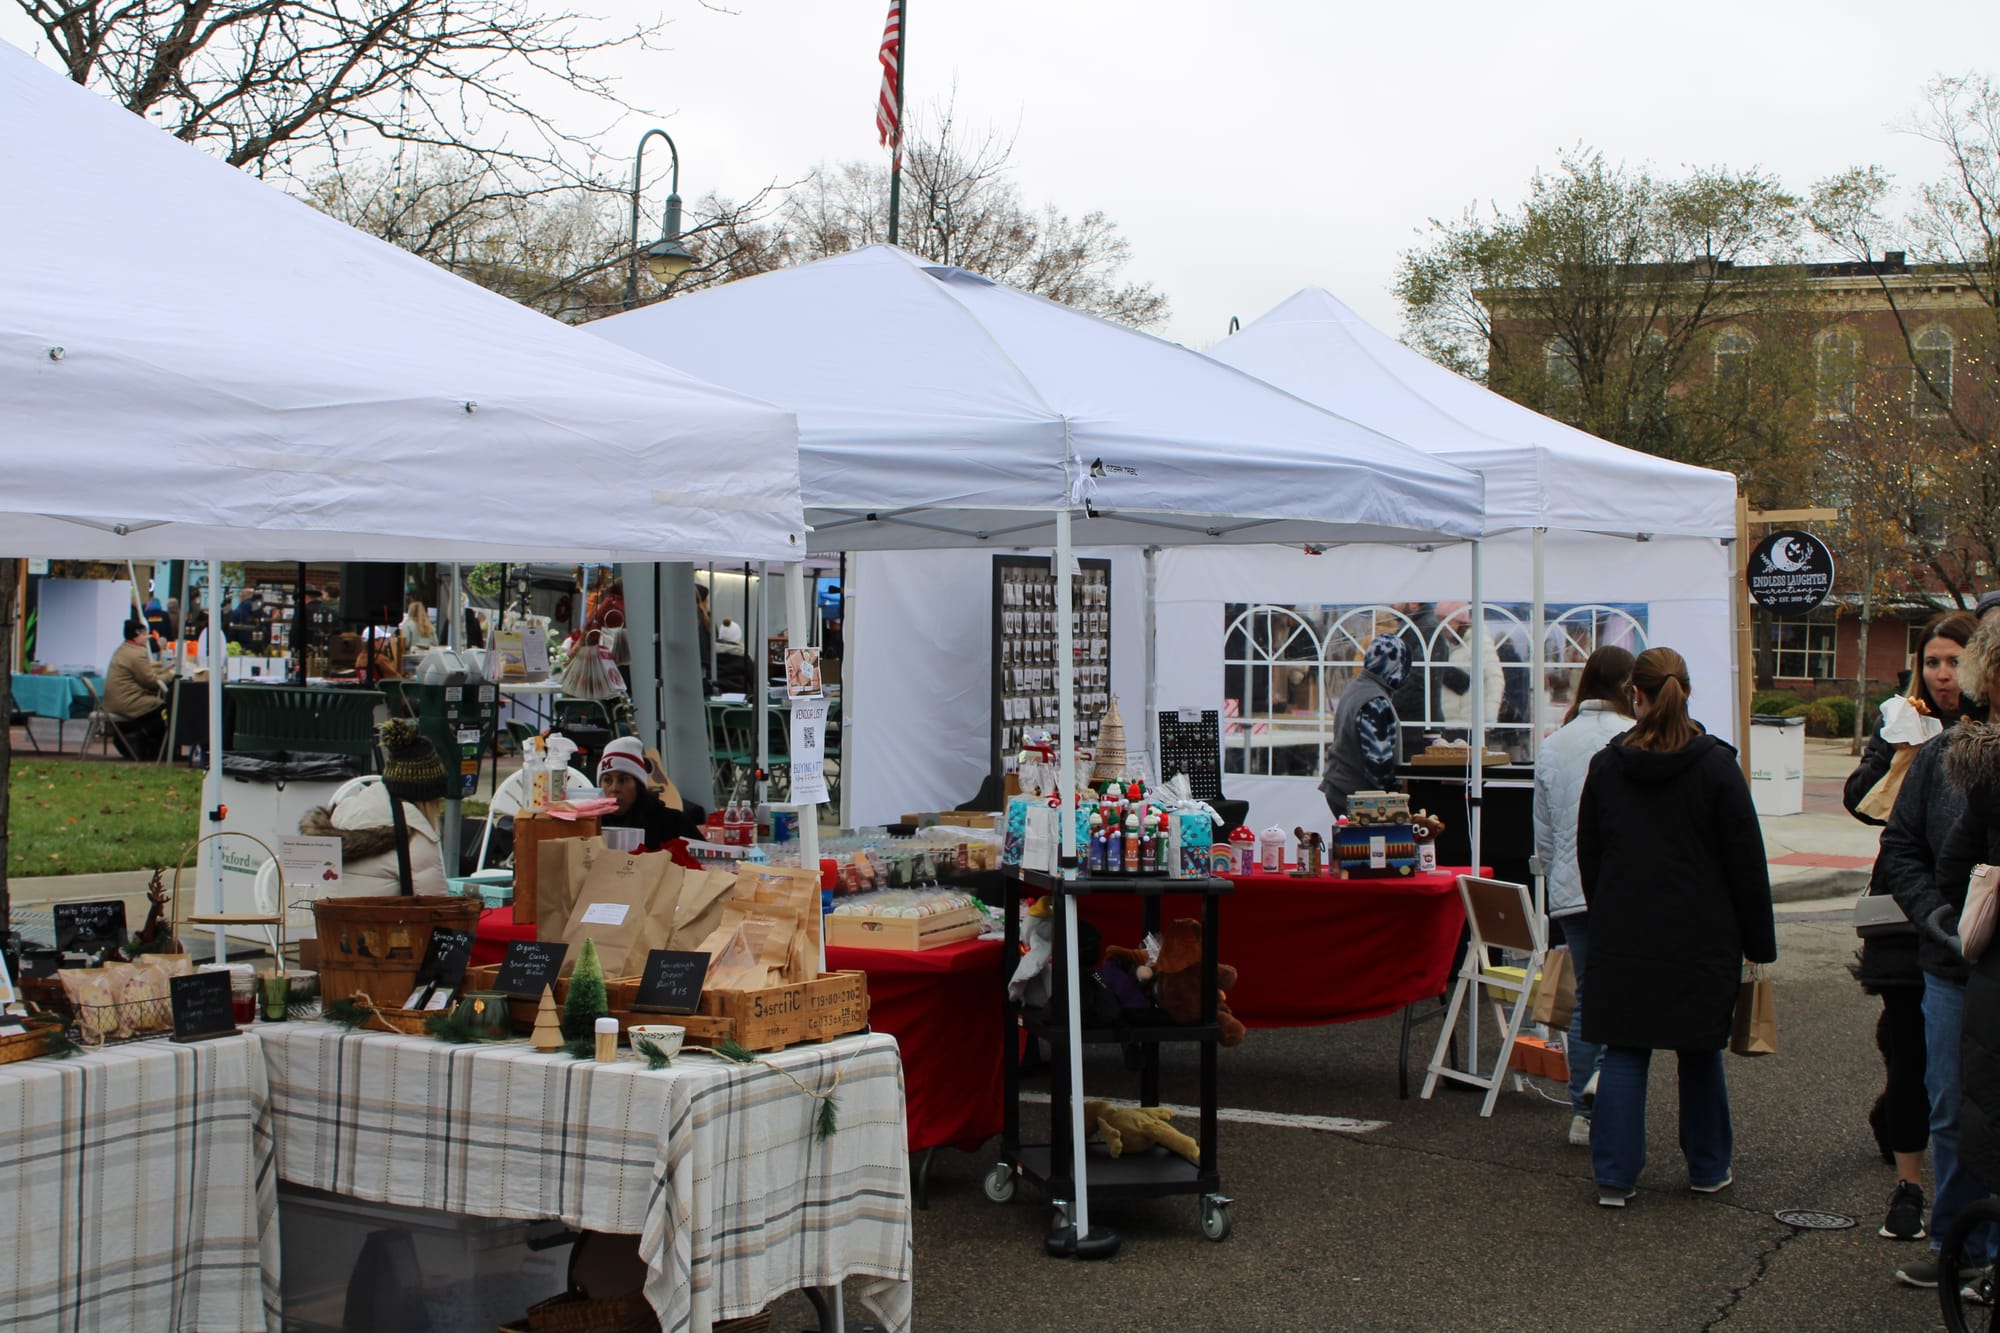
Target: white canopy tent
<point x="939" y="409"/>
<point x="276" y="384"/>
<point x="1627" y="525"/>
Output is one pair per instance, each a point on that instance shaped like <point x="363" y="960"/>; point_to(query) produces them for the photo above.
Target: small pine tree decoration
<point x="586" y="1002"/>
<point x="548" y="1026"/>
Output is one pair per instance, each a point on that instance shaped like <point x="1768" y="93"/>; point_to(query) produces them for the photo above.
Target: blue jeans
<point x="1583" y="1055"/>
<point x="1944" y="1012"/>
<point x="1618" y="1129"/>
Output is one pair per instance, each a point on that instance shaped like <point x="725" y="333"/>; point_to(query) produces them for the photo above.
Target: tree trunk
<point x="10" y="577"/>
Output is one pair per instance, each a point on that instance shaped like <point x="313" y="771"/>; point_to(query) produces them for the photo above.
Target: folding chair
<point x="103" y="726"/>
<point x="1501" y="915"/>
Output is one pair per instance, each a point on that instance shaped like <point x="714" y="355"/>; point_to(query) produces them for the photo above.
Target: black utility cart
<point x="1150" y="1174"/>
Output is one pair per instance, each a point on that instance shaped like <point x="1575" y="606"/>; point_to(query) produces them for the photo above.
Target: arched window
<point x="1930" y="381"/>
<point x="1836" y="368"/>
<point x="1732" y="357"/>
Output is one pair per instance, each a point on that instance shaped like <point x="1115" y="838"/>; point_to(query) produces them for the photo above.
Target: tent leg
<point x="1537" y="662"/>
<point x="218" y="657"/>
<point x="795" y="614"/>
<point x="1152" y="719"/>
<point x="1476" y="744"/>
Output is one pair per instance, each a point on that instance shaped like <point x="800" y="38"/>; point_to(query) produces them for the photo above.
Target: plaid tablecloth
<point x="137" y="1190"/>
<point x="713" y="1165"/>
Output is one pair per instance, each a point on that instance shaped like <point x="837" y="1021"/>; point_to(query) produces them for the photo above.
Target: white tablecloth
<point x="137" y="1190"/>
<point x="713" y="1165"/>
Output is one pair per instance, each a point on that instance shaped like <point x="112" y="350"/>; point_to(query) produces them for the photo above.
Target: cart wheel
<point x="1000" y="1183"/>
<point x="1215" y="1216"/>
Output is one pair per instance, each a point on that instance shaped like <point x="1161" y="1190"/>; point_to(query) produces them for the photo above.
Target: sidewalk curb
<point x="1796" y="884"/>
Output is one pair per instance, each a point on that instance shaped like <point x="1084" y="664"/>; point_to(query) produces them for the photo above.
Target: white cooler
<point x="1777" y="764"/>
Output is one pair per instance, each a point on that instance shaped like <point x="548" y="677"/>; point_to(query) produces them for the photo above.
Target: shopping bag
<point x="626" y="904"/>
<point x="1975" y="919"/>
<point x="1880" y="801"/>
<point x="1555" y="993"/>
<point x="1755" y="1031"/>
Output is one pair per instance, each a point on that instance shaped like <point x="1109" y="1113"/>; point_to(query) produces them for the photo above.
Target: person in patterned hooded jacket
<point x="1367" y="740"/>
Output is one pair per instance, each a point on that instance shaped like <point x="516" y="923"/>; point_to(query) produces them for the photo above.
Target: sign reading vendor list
<point x="809" y="752"/>
<point x="529" y="966"/>
<point x="671" y="983"/>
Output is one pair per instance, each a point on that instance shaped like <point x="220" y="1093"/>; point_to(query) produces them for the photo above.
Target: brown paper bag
<point x="1880" y="801"/>
<point x="795" y="890"/>
<point x="1755" y="1031"/>
<point x="1555" y="994"/>
<point x="625" y="902"/>
<point x="704" y="893"/>
<point x="560" y="867"/>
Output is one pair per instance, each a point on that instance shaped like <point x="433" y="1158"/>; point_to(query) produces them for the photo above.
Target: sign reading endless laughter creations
<point x="1790" y="572"/>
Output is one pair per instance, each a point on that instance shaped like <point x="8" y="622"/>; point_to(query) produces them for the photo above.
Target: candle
<point x="607" y="1040"/>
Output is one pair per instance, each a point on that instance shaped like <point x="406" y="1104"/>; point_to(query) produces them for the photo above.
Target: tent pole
<point x="1476" y="744"/>
<point x="1537" y="653"/>
<point x="1152" y="722"/>
<point x="847" y="570"/>
<point x="217" y="657"/>
<point x="759" y="685"/>
<point x="795" y="614"/>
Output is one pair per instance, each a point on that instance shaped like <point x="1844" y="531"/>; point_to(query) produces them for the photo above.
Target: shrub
<point x="1821" y="718"/>
<point x="1775" y="701"/>
<point x="1842" y="708"/>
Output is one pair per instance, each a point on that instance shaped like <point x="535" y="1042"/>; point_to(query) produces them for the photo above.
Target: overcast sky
<point x="1247" y="149"/>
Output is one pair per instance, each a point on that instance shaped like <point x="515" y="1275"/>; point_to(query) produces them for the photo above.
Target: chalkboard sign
<point x="90" y="927"/>
<point x="201" y="1006"/>
<point x="671" y="983"/>
<point x="530" y="965"/>
<point x="445" y="958"/>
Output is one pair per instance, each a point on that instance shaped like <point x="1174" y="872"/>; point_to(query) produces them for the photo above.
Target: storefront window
<point x="1803" y="649"/>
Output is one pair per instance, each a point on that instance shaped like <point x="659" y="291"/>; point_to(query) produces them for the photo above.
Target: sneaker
<point x="1924" y="1272"/>
<point x="1611" y="1197"/>
<point x="1906" y="1213"/>
<point x="1717" y="1187"/>
<point x="1579" y="1131"/>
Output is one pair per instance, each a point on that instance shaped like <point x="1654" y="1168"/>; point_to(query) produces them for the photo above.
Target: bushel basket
<point x="374" y="946"/>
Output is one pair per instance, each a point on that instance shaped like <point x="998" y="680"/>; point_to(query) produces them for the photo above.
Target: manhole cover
<point x="1812" y="1219"/>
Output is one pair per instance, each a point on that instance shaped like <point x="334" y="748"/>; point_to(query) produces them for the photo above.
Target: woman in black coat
<point x="1673" y="869"/>
<point x="1972" y="762"/>
<point x="1889" y="965"/>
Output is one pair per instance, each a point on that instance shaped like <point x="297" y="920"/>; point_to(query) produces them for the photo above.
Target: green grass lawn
<point x="71" y="817"/>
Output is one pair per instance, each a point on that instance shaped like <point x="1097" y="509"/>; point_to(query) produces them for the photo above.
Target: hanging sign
<point x="808" y="752"/>
<point x="1790" y="572"/>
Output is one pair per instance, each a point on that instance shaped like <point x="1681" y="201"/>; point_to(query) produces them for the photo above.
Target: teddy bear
<point x="1136" y="1128"/>
<point x="1174" y="974"/>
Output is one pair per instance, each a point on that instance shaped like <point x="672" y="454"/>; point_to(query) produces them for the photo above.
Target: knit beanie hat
<point x="410" y="768"/>
<point x="625" y="755"/>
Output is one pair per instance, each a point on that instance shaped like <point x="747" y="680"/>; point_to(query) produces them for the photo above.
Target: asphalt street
<point x="1439" y="1219"/>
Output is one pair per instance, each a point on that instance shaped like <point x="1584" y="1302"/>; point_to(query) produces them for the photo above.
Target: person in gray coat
<point x="1601" y="711"/>
<point x="1366" y="745"/>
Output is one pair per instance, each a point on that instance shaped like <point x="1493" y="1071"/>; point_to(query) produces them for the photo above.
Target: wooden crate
<point x="766" y="1020"/>
<point x="904" y="934"/>
<point x="29" y="1045"/>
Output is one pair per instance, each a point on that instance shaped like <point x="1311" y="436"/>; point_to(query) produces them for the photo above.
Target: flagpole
<point x="896" y="154"/>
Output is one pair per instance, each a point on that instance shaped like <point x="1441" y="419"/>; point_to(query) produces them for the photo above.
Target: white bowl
<point x="666" y="1036"/>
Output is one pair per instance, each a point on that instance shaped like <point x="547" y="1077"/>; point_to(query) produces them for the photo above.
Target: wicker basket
<point x="374" y="946"/>
<point x="30" y="1044"/>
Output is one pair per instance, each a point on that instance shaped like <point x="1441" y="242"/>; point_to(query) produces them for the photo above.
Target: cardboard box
<point x="777" y="1016"/>
<point x="904" y="934"/>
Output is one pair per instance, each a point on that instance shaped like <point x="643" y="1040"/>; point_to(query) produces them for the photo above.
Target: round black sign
<point x="1790" y="571"/>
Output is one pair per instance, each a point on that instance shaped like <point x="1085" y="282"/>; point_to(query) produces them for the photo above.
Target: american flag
<point x="889" y="105"/>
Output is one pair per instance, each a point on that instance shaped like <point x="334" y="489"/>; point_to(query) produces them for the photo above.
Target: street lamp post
<point x="666" y="258"/>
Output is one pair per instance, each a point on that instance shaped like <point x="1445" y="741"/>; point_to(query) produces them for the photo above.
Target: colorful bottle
<point x="1096" y="862"/>
<point x="1160" y="846"/>
<point x="1132" y="843"/>
<point x="1114" y="852"/>
<point x="1149" y="852"/>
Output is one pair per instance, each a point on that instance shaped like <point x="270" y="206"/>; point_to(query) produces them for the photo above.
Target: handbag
<point x="1755" y="1029"/>
<point x="1976" y="918"/>
<point x="1879" y="916"/>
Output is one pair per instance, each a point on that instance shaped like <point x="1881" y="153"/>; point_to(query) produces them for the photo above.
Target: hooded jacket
<point x="1927" y="807"/>
<point x="1367" y="743"/>
<point x="1972" y="764"/>
<point x="1560" y="771"/>
<point x="367" y="836"/>
<point x="1673" y="870"/>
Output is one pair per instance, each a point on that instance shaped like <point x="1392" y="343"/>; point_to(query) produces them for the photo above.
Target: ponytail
<point x="1661" y="675"/>
<point x="1607" y="678"/>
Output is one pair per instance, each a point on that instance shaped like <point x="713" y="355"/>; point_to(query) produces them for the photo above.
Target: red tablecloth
<point x="1317" y="951"/>
<point x="942" y="1006"/>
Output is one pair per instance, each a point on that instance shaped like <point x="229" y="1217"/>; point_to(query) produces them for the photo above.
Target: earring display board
<point x="1191" y="743"/>
<point x="1024" y="650"/>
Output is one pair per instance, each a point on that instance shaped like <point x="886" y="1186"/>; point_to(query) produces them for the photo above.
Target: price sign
<point x="445" y="958"/>
<point x="530" y="965"/>
<point x="90" y="927"/>
<point x="201" y="1006"/>
<point x="671" y="983"/>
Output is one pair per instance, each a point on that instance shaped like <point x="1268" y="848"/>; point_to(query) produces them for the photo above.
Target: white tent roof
<point x="241" y="375"/>
<point x="1539" y="472"/>
<point x="955" y="410"/>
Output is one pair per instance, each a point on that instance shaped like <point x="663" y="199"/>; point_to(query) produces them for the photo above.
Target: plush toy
<point x="1030" y="982"/>
<point x="1425" y="826"/>
<point x="1175" y="974"/>
<point x="1134" y="1129"/>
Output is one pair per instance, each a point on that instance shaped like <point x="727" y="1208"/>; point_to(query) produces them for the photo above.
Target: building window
<point x="1930" y="382"/>
<point x="1836" y="367"/>
<point x="1559" y="369"/>
<point x="1732" y="358"/>
<point x="1803" y="649"/>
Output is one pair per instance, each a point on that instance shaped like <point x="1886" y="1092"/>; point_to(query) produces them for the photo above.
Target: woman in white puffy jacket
<point x="1602" y="710"/>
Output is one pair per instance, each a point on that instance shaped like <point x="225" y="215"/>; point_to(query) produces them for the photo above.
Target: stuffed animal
<point x="1134" y="1129"/>
<point x="1176" y="974"/>
<point x="1030" y="982"/>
